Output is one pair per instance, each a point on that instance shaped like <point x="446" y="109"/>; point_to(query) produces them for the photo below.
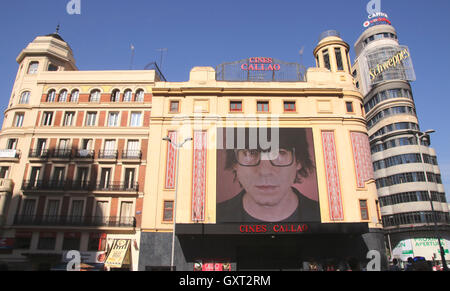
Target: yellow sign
<point x="390" y="63"/>
<point x="117" y="254"/>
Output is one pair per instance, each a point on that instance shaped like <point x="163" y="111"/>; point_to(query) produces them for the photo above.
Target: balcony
<point x="9" y="155"/>
<point x="117" y="186"/>
<point x="108" y="154"/>
<point x="75" y="221"/>
<point x="39" y="154"/>
<point x="64" y="154"/>
<point x="132" y="155"/>
<point x="6" y="185"/>
<point x="68" y="185"/>
<point x="84" y="154"/>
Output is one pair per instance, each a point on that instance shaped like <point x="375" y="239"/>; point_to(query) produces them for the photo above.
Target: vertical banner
<point x="362" y="157"/>
<point x="332" y="173"/>
<point x="171" y="161"/>
<point x="199" y="176"/>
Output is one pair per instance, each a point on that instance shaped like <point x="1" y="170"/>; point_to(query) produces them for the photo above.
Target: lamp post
<point x="420" y="135"/>
<point x="177" y="148"/>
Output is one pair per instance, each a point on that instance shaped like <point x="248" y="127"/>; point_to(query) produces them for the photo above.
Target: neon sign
<point x="377" y="18"/>
<point x="260" y="64"/>
<point x="390" y="63"/>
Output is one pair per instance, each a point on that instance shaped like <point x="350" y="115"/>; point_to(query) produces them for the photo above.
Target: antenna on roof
<point x="57" y="28"/>
<point x="162" y="50"/>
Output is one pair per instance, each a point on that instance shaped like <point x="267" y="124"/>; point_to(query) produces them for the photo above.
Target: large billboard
<point x="266" y="175"/>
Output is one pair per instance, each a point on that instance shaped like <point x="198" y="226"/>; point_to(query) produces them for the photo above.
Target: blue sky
<point x="210" y="32"/>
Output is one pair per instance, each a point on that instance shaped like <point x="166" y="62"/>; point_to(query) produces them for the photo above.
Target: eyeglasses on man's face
<point x="252" y="158"/>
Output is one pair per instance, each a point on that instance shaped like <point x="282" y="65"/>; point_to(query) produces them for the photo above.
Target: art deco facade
<point x="84" y="164"/>
<point x="383" y="71"/>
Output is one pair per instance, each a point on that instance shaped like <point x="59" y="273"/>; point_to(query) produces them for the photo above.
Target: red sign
<point x="273" y="228"/>
<point x="260" y="64"/>
<point x="6" y="243"/>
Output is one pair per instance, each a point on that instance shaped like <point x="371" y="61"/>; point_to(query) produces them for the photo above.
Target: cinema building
<point x="406" y="169"/>
<point x="73" y="161"/>
<point x="259" y="164"/>
<point x="247" y="139"/>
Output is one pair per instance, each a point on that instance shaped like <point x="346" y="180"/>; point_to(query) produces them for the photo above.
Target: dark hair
<point x="289" y="138"/>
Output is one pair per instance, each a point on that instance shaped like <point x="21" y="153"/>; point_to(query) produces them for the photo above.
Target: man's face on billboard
<point x="267" y="177"/>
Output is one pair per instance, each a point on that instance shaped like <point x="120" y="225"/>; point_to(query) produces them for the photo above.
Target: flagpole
<point x="132" y="57"/>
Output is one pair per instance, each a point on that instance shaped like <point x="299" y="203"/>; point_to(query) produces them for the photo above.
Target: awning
<point x="120" y="254"/>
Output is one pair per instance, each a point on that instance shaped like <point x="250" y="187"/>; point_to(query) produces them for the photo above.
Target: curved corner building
<point x="383" y="71"/>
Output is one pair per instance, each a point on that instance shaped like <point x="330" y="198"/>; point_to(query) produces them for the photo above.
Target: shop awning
<point x="120" y="254"/>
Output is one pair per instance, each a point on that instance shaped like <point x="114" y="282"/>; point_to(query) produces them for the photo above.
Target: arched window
<point x="62" y="96"/>
<point x="51" y="96"/>
<point x="139" y="97"/>
<point x="115" y="95"/>
<point x="33" y="68"/>
<point x="74" y="96"/>
<point x="25" y="97"/>
<point x="95" y="96"/>
<point x="127" y="95"/>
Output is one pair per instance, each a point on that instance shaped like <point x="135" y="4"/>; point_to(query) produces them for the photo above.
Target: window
<point x="174" y="106"/>
<point x="168" y="211"/>
<point x="22" y="240"/>
<point x="91" y="118"/>
<point x="12" y="144"/>
<point x="262" y="106"/>
<point x="135" y="119"/>
<point x="69" y="117"/>
<point x="289" y="106"/>
<point x="74" y="96"/>
<point x="236" y="106"/>
<point x="52" y="68"/>
<point x="115" y="96"/>
<point x="47" y="241"/>
<point x="47" y="118"/>
<point x="133" y="150"/>
<point x="94" y="96"/>
<point x="326" y="59"/>
<point x="113" y="119"/>
<point x="82" y="177"/>
<point x="76" y="211"/>
<point x="18" y="119"/>
<point x="364" y="209"/>
<point x="63" y="96"/>
<point x="338" y="54"/>
<point x="34" y="176"/>
<point x="126" y="213"/>
<point x="129" y="178"/>
<point x="97" y="242"/>
<point x="58" y="177"/>
<point x="139" y="96"/>
<point x="33" y="68"/>
<point x="349" y="106"/>
<point x="71" y="241"/>
<point x="127" y="96"/>
<point x="51" y="96"/>
<point x="105" y="178"/>
<point x="25" y="97"/>
<point x="4" y="172"/>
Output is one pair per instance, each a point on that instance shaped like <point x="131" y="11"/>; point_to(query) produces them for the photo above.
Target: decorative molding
<point x="199" y="176"/>
<point x="171" y="161"/>
<point x="362" y="157"/>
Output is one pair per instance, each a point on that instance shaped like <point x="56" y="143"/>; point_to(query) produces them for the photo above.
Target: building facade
<point x="274" y="169"/>
<point x="217" y="226"/>
<point x="406" y="169"/>
<point x="74" y="158"/>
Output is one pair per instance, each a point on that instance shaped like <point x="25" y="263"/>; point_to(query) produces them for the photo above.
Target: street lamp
<point x="177" y="147"/>
<point x="420" y="135"/>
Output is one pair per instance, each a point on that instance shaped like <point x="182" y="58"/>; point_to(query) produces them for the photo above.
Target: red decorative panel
<point x="171" y="161"/>
<point x="199" y="176"/>
<point x="362" y="157"/>
<point x="332" y="173"/>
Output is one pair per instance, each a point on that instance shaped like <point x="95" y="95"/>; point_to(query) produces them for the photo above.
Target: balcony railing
<point x="62" y="153"/>
<point x="84" y="154"/>
<point x="9" y="154"/>
<point x="37" y="185"/>
<point x="117" y="186"/>
<point x="36" y="153"/>
<point x="63" y="220"/>
<point x="107" y="154"/>
<point x="131" y="155"/>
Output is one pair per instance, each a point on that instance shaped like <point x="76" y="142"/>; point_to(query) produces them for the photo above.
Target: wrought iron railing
<point x="65" y="220"/>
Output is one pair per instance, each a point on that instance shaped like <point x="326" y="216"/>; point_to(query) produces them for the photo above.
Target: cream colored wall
<point x="317" y="107"/>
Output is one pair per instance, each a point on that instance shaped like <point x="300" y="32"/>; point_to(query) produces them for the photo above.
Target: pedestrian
<point x="409" y="265"/>
<point x="394" y="266"/>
